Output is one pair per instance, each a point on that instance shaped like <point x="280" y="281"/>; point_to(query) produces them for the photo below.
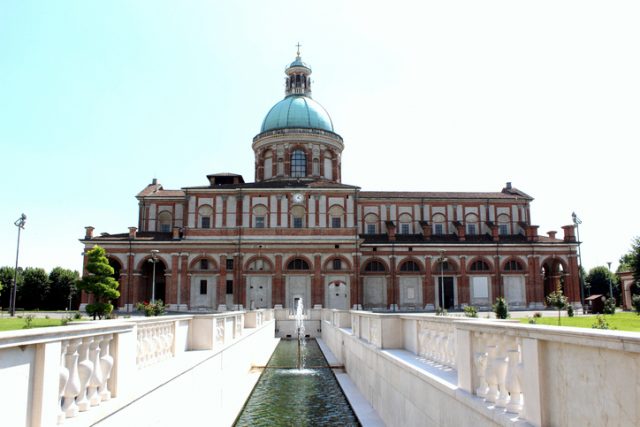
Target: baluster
<point x="85" y="369"/>
<point x="63" y="378"/>
<point x="106" y="364"/>
<point x="96" y="378"/>
<point x="492" y="374"/>
<point x="480" y="360"/>
<point x="501" y="372"/>
<point x="513" y="382"/>
<point x="72" y="388"/>
<point x="451" y="347"/>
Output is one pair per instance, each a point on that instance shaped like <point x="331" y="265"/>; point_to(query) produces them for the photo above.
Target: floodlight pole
<point x="12" y="299"/>
<point x="577" y="221"/>
<point x="443" y="259"/>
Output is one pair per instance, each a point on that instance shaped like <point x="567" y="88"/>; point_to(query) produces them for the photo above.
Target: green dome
<point x="297" y="111"/>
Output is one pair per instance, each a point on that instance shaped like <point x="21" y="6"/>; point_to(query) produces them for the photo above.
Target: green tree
<point x="62" y="287"/>
<point x="6" y="278"/>
<point x="598" y="281"/>
<point x="501" y="308"/>
<point x="99" y="283"/>
<point x="558" y="300"/>
<point x="34" y="290"/>
<point x="631" y="260"/>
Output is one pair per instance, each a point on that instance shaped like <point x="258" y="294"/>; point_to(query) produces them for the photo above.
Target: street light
<point x="154" y="260"/>
<point x="577" y="221"/>
<point x="12" y="299"/>
<point x="610" y="289"/>
<point x="442" y="259"/>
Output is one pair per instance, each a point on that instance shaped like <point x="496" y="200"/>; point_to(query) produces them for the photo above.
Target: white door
<point x="338" y="296"/>
<point x="375" y="292"/>
<point x="410" y="292"/>
<point x="258" y="292"/>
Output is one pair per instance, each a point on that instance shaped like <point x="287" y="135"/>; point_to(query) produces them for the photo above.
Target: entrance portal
<point x="449" y="296"/>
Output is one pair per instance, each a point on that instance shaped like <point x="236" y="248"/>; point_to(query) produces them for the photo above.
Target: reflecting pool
<point x="286" y="396"/>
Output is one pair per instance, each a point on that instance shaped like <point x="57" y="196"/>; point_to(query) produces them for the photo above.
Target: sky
<point x="98" y="98"/>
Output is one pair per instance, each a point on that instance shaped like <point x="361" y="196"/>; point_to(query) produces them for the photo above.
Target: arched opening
<point x="164" y="222"/>
<point x="147" y="280"/>
<point x="117" y="269"/>
<point x="552" y="276"/>
<point x="298" y="164"/>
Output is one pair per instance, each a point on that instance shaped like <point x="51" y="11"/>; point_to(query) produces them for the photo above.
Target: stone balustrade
<point x="491" y="372"/>
<point x="62" y="372"/>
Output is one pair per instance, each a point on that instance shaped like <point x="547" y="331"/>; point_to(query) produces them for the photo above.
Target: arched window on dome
<point x="268" y="164"/>
<point x="328" y="165"/>
<point x="298" y="164"/>
<point x="164" y="221"/>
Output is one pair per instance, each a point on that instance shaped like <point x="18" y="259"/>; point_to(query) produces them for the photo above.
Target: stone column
<point x="428" y="289"/>
<point x="317" y="288"/>
<point x="464" y="296"/>
<point x="278" y="288"/>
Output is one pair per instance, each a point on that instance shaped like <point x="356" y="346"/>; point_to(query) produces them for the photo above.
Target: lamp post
<point x="443" y="259"/>
<point x="577" y="221"/>
<point x="610" y="288"/>
<point x="154" y="260"/>
<point x="12" y="298"/>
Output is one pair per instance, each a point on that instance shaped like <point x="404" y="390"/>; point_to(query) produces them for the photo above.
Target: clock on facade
<point x="298" y="198"/>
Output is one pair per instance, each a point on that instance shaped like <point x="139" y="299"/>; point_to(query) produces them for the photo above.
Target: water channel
<point x="287" y="396"/>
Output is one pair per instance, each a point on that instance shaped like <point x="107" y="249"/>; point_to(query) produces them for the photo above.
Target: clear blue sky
<point x="100" y="97"/>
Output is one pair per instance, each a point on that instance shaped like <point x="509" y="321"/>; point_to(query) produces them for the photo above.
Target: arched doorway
<point x="147" y="280"/>
<point x="117" y="269"/>
<point x="552" y="276"/>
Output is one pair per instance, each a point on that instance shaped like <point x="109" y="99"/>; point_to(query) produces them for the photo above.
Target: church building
<point x="297" y="231"/>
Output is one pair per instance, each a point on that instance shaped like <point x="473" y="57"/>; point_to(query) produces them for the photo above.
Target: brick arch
<point x="435" y="265"/>
<point x="553" y="261"/>
<point x="519" y="260"/>
<point x="268" y="264"/>
<point x="325" y="265"/>
<point x="407" y="259"/>
<point x="490" y="263"/>
<point x="160" y="257"/>
<point x="114" y="259"/>
<point x="193" y="265"/>
<point x="293" y="257"/>
<point x="380" y="260"/>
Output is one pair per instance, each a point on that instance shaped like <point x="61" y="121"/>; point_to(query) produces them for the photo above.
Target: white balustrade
<point x="155" y="342"/>
<point x="437" y="340"/>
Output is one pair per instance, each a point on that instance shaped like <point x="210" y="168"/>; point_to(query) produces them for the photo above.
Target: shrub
<point x="77" y="315"/>
<point x="441" y="311"/>
<point x="152" y="308"/>
<point x="28" y="321"/>
<point x="533" y="320"/>
<point x="609" y="306"/>
<point x="501" y="308"/>
<point x="470" y="311"/>
<point x="636" y="303"/>
<point x="601" y="323"/>
<point x="99" y="309"/>
<point x="570" y="312"/>
<point x="537" y="315"/>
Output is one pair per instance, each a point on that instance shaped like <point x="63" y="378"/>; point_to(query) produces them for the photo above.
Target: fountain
<point x="300" y="329"/>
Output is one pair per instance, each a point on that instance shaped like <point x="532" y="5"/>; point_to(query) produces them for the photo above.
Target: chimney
<point x="154" y="181"/>
<point x="88" y="233"/>
<point x="569" y="233"/>
<point x="552" y="234"/>
<point x="132" y="232"/>
<point x="509" y="185"/>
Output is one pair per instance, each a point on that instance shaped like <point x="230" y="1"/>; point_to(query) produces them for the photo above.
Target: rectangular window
<point x="503" y="229"/>
<point x="259" y="222"/>
<point x="471" y="229"/>
<point x="229" y="286"/>
<point x="229" y="263"/>
<point x="205" y="222"/>
<point x="337" y="264"/>
<point x="438" y="229"/>
<point x="204" y="264"/>
<point x="404" y="228"/>
<point x="371" y="229"/>
<point x="297" y="222"/>
<point x="203" y="287"/>
<point x="335" y="222"/>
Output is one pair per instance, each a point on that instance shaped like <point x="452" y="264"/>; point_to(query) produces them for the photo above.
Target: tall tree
<point x="598" y="281"/>
<point x="35" y="288"/>
<point x="631" y="260"/>
<point x="6" y="278"/>
<point x="99" y="283"/>
<point x="62" y="288"/>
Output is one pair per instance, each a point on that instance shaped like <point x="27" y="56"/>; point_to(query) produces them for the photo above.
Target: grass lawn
<point x="619" y="321"/>
<point x="13" y="323"/>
